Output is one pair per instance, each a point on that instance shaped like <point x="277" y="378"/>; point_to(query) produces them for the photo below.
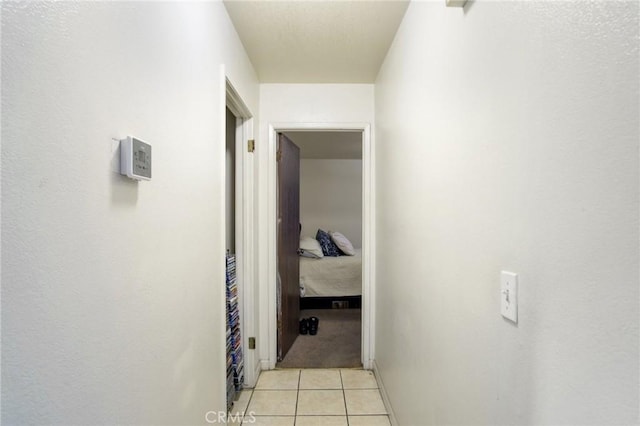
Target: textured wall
<point x="112" y="291"/>
<point x="507" y="139"/>
<point x="331" y="197"/>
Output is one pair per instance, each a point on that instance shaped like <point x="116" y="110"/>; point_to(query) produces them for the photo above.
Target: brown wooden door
<point x="288" y="243"/>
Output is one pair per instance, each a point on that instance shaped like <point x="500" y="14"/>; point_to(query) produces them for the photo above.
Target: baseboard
<point x="256" y="374"/>
<point x="265" y="365"/>
<point x="367" y="365"/>
<point x="383" y="393"/>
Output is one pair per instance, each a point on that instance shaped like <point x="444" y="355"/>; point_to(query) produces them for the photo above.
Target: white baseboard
<point x="367" y="365"/>
<point x="256" y="374"/>
<point x="265" y="365"/>
<point x="383" y="393"/>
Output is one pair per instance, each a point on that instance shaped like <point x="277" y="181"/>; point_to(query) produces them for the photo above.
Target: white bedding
<point x="331" y="276"/>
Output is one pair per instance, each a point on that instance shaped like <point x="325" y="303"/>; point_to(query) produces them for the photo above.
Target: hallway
<point x="331" y="397"/>
<point x="503" y="140"/>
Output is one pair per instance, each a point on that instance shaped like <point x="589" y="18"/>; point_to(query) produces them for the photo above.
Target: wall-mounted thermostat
<point x="135" y="158"/>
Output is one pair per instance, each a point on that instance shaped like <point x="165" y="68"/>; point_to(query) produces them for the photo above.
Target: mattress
<point x="331" y="276"/>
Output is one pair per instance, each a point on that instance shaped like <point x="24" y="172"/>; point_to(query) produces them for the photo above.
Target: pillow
<point x="309" y="247"/>
<point x="343" y="243"/>
<point x="329" y="248"/>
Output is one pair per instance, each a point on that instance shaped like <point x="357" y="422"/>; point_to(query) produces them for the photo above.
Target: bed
<point x="331" y="279"/>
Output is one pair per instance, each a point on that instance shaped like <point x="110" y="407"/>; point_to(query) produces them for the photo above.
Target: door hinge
<point x="252" y="342"/>
<point x="251" y="145"/>
<point x="278" y="155"/>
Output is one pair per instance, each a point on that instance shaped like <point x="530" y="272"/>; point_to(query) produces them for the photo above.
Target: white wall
<point x="112" y="291"/>
<point x="507" y="139"/>
<point x="315" y="103"/>
<point x="331" y="197"/>
<point x="295" y="103"/>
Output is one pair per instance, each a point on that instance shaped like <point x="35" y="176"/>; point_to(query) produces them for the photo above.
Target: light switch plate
<point x="509" y="295"/>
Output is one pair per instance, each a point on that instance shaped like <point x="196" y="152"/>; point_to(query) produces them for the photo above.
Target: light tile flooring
<point x="309" y="397"/>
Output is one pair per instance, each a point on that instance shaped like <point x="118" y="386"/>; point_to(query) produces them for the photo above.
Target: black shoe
<point x="304" y="326"/>
<point x="313" y="325"/>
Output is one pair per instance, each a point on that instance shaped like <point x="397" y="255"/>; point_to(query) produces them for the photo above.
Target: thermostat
<point x="135" y="158"/>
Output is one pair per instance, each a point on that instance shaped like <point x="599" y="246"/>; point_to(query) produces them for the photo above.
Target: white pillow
<point x="343" y="243"/>
<point x="311" y="248"/>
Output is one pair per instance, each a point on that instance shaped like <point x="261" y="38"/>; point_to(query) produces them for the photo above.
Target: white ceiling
<point x="328" y="144"/>
<point x="307" y="41"/>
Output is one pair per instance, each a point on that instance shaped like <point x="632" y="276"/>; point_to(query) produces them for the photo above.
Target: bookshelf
<point x="235" y="360"/>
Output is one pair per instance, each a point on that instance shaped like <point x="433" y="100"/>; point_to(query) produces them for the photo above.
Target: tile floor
<point x="308" y="397"/>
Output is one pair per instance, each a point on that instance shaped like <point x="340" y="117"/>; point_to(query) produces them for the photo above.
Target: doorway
<point x="328" y="287"/>
<point x="367" y="214"/>
<point x="239" y="217"/>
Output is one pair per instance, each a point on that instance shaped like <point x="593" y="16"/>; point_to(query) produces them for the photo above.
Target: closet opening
<point x="235" y="358"/>
<point x="242" y="366"/>
<point x="319" y="229"/>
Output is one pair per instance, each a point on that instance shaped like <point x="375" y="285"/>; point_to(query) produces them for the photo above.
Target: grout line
<point x="295" y="414"/>
<point x="344" y="398"/>
<point x="246" y="409"/>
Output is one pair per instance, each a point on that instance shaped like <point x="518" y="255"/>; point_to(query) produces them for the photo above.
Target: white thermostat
<point x="135" y="158"/>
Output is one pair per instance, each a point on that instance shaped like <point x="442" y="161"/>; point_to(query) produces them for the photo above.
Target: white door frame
<point x="368" y="246"/>
<point x="244" y="229"/>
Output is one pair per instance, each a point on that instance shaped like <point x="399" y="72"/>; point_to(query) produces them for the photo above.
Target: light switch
<point x="509" y="295"/>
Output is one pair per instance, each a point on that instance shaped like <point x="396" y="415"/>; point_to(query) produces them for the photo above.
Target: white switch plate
<point x="509" y="295"/>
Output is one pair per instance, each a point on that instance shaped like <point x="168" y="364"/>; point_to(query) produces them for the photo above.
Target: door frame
<point x="368" y="235"/>
<point x="244" y="224"/>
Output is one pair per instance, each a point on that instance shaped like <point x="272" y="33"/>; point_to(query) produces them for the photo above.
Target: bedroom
<point x="330" y="199"/>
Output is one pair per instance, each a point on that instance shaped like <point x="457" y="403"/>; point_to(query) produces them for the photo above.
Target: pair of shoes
<point x="309" y="325"/>
<point x="304" y="326"/>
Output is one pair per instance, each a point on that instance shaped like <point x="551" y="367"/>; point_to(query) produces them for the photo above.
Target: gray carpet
<point x="337" y="343"/>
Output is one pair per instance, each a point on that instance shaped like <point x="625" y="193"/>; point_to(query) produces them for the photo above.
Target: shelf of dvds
<point x="235" y="360"/>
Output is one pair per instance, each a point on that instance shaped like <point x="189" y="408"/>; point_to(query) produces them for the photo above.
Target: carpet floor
<point x="337" y="343"/>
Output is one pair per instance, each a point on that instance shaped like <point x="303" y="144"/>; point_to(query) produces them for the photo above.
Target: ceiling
<point x="328" y="144"/>
<point x="307" y="41"/>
